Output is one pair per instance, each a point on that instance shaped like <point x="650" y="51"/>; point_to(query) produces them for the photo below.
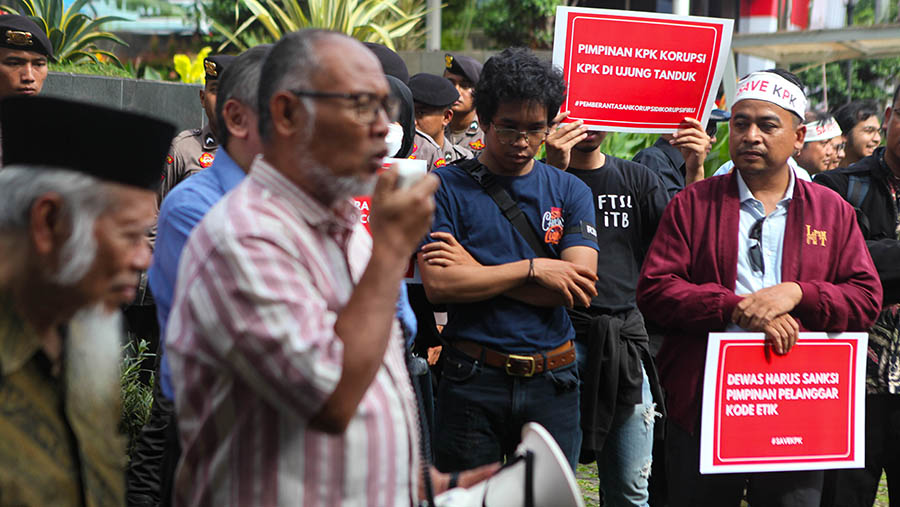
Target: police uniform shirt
<point x="471" y="139"/>
<point x="425" y="148"/>
<point x="192" y="151"/>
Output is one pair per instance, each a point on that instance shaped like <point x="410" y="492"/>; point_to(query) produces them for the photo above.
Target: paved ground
<point x="587" y="481"/>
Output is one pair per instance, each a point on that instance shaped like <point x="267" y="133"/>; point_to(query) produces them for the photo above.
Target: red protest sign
<point x="801" y="411"/>
<point x="639" y="72"/>
<point x="364" y="204"/>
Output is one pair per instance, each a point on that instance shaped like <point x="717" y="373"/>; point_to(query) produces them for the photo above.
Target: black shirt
<point x="667" y="162"/>
<point x="629" y="200"/>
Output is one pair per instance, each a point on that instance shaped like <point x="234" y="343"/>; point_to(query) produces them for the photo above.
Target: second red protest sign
<point x="800" y="411"/>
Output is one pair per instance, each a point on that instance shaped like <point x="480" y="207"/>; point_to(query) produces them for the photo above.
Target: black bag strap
<point x="508" y="206"/>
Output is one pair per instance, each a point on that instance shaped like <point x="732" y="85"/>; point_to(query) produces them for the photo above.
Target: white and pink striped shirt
<point x="254" y="355"/>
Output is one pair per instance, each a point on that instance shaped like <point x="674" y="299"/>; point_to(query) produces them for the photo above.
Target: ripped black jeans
<point x="480" y="411"/>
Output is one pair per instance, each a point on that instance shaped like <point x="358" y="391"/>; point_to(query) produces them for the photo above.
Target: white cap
<point x="773" y="88"/>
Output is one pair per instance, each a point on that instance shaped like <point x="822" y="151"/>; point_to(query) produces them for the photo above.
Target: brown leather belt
<point x="516" y="364"/>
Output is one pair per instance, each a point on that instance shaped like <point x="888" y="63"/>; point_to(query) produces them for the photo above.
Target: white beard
<point x="93" y="358"/>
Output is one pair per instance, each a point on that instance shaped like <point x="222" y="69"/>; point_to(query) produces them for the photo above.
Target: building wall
<point x="174" y="102"/>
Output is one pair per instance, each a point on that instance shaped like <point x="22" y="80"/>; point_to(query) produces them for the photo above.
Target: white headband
<point x="822" y="130"/>
<point x="773" y="88"/>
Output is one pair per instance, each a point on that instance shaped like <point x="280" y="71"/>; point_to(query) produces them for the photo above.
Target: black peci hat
<point x="215" y="65"/>
<point x="108" y="144"/>
<point x="470" y="68"/>
<point x="391" y="62"/>
<point x="20" y="32"/>
<point x="433" y="90"/>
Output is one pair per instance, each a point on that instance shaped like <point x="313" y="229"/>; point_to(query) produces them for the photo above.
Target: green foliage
<point x="94" y="69"/>
<point x="719" y="153"/>
<point x="870" y="79"/>
<point x="457" y="21"/>
<point x="626" y="144"/>
<point x="191" y="72"/>
<point x="72" y="34"/>
<point x="137" y="396"/>
<point x="382" y="21"/>
<point x="527" y="23"/>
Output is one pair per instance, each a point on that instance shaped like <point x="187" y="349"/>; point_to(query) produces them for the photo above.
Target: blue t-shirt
<point x="554" y="202"/>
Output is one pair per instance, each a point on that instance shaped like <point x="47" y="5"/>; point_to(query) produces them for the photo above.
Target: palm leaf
<point x="232" y="38"/>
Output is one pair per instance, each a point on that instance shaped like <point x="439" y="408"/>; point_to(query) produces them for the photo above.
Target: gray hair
<point x="290" y="65"/>
<point x="84" y="199"/>
<point x="240" y="82"/>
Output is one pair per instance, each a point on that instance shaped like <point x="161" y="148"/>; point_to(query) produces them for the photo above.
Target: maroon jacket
<point x="688" y="278"/>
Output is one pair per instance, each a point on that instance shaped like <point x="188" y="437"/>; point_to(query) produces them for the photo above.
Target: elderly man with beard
<point x="731" y="253"/>
<point x="72" y="245"/>
<point x="287" y="358"/>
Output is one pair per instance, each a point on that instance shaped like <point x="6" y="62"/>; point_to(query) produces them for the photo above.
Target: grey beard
<point x="331" y="189"/>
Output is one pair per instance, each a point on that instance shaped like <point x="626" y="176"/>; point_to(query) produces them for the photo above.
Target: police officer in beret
<point x="464" y="130"/>
<point x="194" y="150"/>
<point x="433" y="97"/>
<point x="24" y="52"/>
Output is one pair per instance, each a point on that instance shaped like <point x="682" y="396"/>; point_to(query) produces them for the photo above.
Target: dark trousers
<point x="151" y="472"/>
<point x="688" y="488"/>
<point x="858" y="487"/>
<point x="481" y="410"/>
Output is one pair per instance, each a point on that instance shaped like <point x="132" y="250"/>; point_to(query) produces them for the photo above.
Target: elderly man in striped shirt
<point x="287" y="359"/>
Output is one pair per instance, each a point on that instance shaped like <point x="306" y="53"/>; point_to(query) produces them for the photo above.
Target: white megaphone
<point x="538" y="476"/>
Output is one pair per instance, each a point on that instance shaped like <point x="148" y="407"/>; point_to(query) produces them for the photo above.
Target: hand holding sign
<point x="694" y="144"/>
<point x="562" y="138"/>
<point x="757" y="311"/>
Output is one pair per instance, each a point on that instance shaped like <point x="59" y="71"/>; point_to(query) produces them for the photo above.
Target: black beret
<point x="20" y="32"/>
<point x="215" y="65"/>
<point x="433" y="90"/>
<point x="109" y="144"/>
<point x="391" y="62"/>
<point x="463" y="66"/>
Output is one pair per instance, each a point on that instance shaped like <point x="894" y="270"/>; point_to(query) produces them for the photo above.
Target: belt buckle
<point x="520" y="358"/>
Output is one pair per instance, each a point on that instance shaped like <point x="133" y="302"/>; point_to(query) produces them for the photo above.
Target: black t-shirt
<point x="629" y="200"/>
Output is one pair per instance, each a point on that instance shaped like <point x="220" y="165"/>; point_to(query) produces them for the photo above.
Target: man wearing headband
<point x="697" y="279"/>
<point x="872" y="186"/>
<point x="818" y="153"/>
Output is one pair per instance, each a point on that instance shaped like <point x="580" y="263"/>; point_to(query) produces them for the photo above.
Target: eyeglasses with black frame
<point x="755" y="252"/>
<point x="366" y="104"/>
<point x="509" y="136"/>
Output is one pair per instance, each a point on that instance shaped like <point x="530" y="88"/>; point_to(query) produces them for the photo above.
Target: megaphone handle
<point x="529" y="478"/>
<point x="425" y="443"/>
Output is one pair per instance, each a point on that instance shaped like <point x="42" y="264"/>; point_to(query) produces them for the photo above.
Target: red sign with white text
<point x="364" y="204"/>
<point x="800" y="411"/>
<point x="639" y="72"/>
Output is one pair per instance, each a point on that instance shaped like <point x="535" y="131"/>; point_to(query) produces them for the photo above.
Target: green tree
<point x="527" y="23"/>
<point x="382" y="21"/>
<point x="869" y="79"/>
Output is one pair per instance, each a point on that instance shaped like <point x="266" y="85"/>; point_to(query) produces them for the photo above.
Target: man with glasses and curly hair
<point x="510" y="358"/>
<point x="756" y="250"/>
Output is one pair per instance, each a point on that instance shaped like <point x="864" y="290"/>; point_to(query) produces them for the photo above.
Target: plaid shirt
<point x="254" y="355"/>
